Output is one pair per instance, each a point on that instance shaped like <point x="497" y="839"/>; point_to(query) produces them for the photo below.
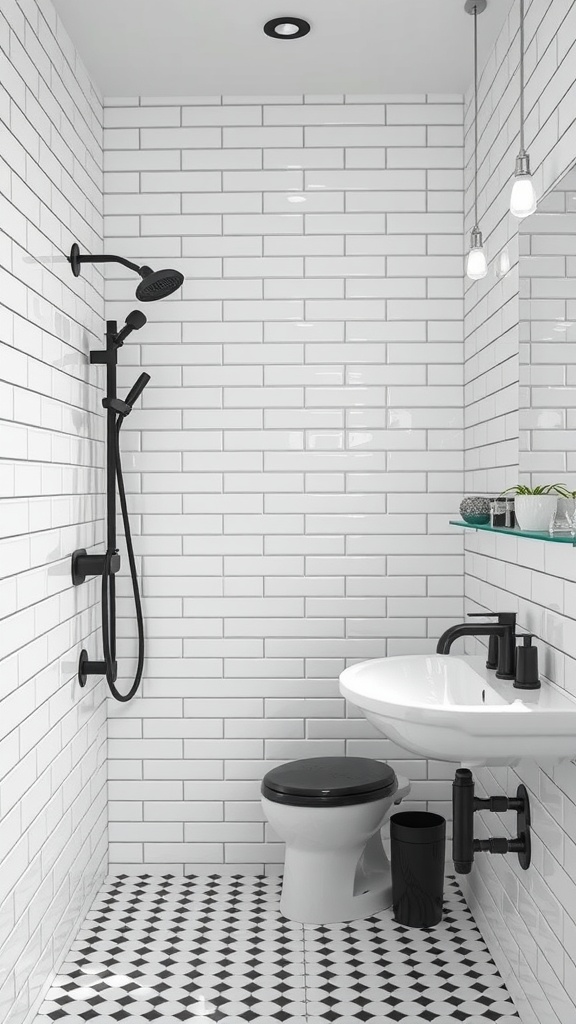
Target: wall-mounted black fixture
<point x="108" y="564"/>
<point x="154" y="284"/>
<point x="287" y="28"/>
<point x="464" y="805"/>
<point x="502" y="643"/>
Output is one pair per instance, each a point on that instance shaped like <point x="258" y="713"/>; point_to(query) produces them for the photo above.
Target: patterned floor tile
<point x="176" y="950"/>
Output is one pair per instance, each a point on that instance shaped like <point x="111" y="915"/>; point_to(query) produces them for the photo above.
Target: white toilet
<point x="329" y="812"/>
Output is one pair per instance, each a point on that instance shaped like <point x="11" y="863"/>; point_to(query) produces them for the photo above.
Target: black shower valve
<point x="84" y="565"/>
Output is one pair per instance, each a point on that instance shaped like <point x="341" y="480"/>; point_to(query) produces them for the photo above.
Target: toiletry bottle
<point x="526" y="664"/>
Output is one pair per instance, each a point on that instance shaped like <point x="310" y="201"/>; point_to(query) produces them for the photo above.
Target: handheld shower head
<point x="154" y="284"/>
<point x="157" y="284"/>
<point x="137" y="389"/>
<point x="134" y="321"/>
<point x="124" y="408"/>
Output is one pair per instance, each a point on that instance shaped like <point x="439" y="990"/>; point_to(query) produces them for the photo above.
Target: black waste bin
<point x="418" y="842"/>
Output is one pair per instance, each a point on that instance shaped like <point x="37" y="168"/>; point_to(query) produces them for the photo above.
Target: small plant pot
<point x="535" y="511"/>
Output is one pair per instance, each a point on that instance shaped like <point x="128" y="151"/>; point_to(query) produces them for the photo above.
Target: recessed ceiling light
<point x="287" y="28"/>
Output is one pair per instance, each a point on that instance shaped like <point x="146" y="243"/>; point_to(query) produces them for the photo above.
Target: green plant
<point x="539" y="489"/>
<point x="564" y="492"/>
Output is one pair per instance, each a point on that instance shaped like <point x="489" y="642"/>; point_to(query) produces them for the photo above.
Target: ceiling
<point x="213" y="47"/>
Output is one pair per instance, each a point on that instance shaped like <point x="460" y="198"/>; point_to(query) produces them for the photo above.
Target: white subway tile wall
<point x="547" y="269"/>
<point x="529" y="918"/>
<point x="52" y="734"/>
<point x="297" y="454"/>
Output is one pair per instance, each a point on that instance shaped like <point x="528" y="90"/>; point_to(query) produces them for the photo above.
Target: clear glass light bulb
<point x="476" y="266"/>
<point x="523" y="199"/>
<point x="287" y="29"/>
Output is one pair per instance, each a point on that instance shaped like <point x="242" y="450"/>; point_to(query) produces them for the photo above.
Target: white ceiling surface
<point x="213" y="47"/>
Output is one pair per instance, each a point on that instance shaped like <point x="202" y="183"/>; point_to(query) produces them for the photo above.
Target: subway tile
<point x="263" y="224"/>
<point x="261" y="138"/>
<point x="350" y="180"/>
<point x="425" y="113"/>
<point x="263" y="181"/>
<point x="217" y="159"/>
<point x="141" y="117"/>
<point x="225" y="115"/>
<point x="264" y="267"/>
<point x="180" y="138"/>
<point x="309" y="202"/>
<point x="303" y="158"/>
<point x="373" y="135"/>
<point x="345" y="266"/>
<point x="303" y="245"/>
<point x="180" y="181"/>
<point x="345" y="223"/>
<point x="347" y="309"/>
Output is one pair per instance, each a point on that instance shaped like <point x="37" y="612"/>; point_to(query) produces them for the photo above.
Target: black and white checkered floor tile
<point x="192" y="950"/>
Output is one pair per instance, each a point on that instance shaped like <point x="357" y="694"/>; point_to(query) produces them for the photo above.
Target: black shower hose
<point x="108" y="586"/>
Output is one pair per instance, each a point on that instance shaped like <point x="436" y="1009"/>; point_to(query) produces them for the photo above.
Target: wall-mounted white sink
<point x="454" y="709"/>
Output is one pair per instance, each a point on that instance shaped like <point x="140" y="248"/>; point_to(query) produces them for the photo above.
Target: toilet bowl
<point x="329" y="812"/>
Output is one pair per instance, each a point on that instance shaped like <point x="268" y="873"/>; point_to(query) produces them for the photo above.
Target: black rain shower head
<point x="157" y="284"/>
<point x="154" y="284"/>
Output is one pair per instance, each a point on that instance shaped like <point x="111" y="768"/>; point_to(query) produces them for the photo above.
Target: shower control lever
<point x="84" y="565"/>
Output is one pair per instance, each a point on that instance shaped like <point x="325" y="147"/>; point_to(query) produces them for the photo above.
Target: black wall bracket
<point x="464" y="804"/>
<point x="84" y="565"/>
<point x="89" y="668"/>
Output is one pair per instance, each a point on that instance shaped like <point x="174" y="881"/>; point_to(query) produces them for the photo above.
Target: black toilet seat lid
<point x="329" y="781"/>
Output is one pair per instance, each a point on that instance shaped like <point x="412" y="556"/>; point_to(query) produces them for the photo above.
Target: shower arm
<point x="76" y="258"/>
<point x="153" y="285"/>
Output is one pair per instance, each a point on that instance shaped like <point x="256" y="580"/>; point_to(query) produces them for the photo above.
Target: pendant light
<point x="476" y="266"/>
<point x="523" y="199"/>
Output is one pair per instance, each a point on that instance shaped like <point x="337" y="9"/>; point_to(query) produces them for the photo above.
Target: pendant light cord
<point x="476" y="116"/>
<point x="522" y="150"/>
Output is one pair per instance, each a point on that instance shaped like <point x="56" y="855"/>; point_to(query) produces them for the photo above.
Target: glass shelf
<point x="556" y="538"/>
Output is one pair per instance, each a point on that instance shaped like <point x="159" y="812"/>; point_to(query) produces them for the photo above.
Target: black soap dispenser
<point x="527" y="664"/>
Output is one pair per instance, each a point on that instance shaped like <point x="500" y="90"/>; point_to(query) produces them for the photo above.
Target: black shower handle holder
<point x="90" y="668"/>
<point x="117" y="406"/>
<point x="84" y="565"/>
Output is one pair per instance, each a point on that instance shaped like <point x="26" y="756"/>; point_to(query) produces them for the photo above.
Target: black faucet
<point x="502" y="647"/>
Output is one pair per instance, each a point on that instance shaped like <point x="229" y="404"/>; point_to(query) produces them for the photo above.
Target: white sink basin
<point x="454" y="709"/>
